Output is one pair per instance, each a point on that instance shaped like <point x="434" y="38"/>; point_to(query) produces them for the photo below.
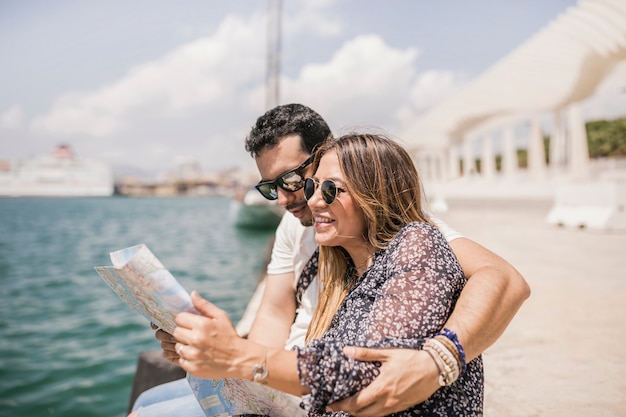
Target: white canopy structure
<point x="559" y="66"/>
<point x="548" y="75"/>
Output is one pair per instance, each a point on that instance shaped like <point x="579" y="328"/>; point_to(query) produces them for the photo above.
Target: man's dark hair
<point x="286" y="120"/>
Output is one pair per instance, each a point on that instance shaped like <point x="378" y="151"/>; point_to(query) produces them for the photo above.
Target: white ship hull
<point x="22" y="189"/>
<point x="56" y="175"/>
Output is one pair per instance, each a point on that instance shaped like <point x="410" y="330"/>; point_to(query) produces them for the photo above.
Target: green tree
<point x="607" y="138"/>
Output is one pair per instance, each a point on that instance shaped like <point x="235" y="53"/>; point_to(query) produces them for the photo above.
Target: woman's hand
<point x="208" y="345"/>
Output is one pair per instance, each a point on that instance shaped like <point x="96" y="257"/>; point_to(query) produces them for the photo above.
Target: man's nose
<point x="285" y="197"/>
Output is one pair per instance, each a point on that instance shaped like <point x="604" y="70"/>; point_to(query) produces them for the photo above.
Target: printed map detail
<point x="142" y="282"/>
<point x="231" y="397"/>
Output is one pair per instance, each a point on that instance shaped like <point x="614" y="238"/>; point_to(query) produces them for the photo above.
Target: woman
<point x="389" y="280"/>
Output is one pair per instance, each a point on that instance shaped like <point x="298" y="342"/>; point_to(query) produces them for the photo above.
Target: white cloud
<point x="311" y="17"/>
<point x="12" y="118"/>
<point x="364" y="76"/>
<point x="428" y="89"/>
<point x="199" y="73"/>
<point x="368" y="82"/>
<point x="201" y="98"/>
<point x="431" y="87"/>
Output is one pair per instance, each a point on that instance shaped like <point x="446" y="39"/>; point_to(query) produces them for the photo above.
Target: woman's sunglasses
<point x="328" y="187"/>
<point x="291" y="181"/>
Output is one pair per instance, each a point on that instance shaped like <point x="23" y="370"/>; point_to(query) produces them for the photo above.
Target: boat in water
<point x="252" y="211"/>
<point x="58" y="174"/>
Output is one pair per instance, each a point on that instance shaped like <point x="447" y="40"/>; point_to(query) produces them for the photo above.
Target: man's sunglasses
<point x="291" y="181"/>
<point x="328" y="187"/>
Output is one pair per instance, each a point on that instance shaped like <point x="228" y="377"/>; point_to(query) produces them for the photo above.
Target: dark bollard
<point x="152" y="370"/>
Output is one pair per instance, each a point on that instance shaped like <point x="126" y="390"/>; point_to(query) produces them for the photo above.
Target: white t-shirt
<point x="292" y="249"/>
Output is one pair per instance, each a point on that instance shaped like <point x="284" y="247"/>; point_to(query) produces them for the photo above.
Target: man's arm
<point x="276" y="312"/>
<point x="493" y="294"/>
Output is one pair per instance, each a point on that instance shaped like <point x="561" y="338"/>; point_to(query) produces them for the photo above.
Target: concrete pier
<point x="564" y="354"/>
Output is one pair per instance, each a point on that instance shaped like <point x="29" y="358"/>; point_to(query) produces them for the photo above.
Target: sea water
<point x="68" y="344"/>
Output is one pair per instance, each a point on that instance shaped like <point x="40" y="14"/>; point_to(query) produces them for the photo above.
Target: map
<point x="142" y="282"/>
<point x="231" y="397"/>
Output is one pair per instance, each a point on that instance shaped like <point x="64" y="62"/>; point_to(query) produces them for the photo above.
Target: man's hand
<point x="407" y="377"/>
<point x="168" y="344"/>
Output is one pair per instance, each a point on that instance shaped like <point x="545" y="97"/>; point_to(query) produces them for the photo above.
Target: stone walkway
<point x="564" y="354"/>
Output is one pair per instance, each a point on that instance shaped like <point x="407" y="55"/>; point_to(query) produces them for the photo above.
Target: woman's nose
<point x="316" y="199"/>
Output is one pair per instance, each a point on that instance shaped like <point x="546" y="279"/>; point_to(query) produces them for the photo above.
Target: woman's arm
<point x="212" y="349"/>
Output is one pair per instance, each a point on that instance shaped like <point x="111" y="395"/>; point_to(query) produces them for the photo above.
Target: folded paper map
<point x="142" y="282"/>
<point x="233" y="397"/>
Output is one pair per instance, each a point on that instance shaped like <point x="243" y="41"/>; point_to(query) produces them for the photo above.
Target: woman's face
<point x="342" y="222"/>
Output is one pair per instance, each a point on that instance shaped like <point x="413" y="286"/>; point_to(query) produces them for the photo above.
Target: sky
<point x="141" y="84"/>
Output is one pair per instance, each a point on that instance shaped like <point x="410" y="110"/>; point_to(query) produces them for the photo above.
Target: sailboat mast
<point x="272" y="78"/>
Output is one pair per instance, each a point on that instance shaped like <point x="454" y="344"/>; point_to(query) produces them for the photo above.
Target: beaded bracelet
<point x="442" y="376"/>
<point x="445" y="361"/>
<point x="450" y="346"/>
<point x="444" y="353"/>
<point x="454" y="338"/>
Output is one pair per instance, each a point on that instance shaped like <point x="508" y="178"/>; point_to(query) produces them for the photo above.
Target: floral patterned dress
<point x="405" y="296"/>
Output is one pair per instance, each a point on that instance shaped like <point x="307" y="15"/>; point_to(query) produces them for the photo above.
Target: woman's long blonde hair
<point x="381" y="178"/>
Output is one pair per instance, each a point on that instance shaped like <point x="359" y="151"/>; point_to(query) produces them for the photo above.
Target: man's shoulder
<point x="290" y="229"/>
<point x="415" y="232"/>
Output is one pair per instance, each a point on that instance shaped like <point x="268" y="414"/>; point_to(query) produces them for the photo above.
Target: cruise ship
<point x="58" y="174"/>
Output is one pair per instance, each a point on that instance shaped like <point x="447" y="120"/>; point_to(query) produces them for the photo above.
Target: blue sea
<point x="68" y="344"/>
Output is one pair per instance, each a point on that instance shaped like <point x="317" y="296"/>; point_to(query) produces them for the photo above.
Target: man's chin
<point x="304" y="215"/>
<point x="306" y="221"/>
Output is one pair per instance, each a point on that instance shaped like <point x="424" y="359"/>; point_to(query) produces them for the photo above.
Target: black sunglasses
<point x="291" y="181"/>
<point x="328" y="187"/>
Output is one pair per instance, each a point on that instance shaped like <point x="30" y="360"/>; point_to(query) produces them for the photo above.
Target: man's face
<point x="286" y="155"/>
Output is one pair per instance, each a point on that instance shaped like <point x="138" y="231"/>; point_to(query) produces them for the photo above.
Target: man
<point x="282" y="142"/>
